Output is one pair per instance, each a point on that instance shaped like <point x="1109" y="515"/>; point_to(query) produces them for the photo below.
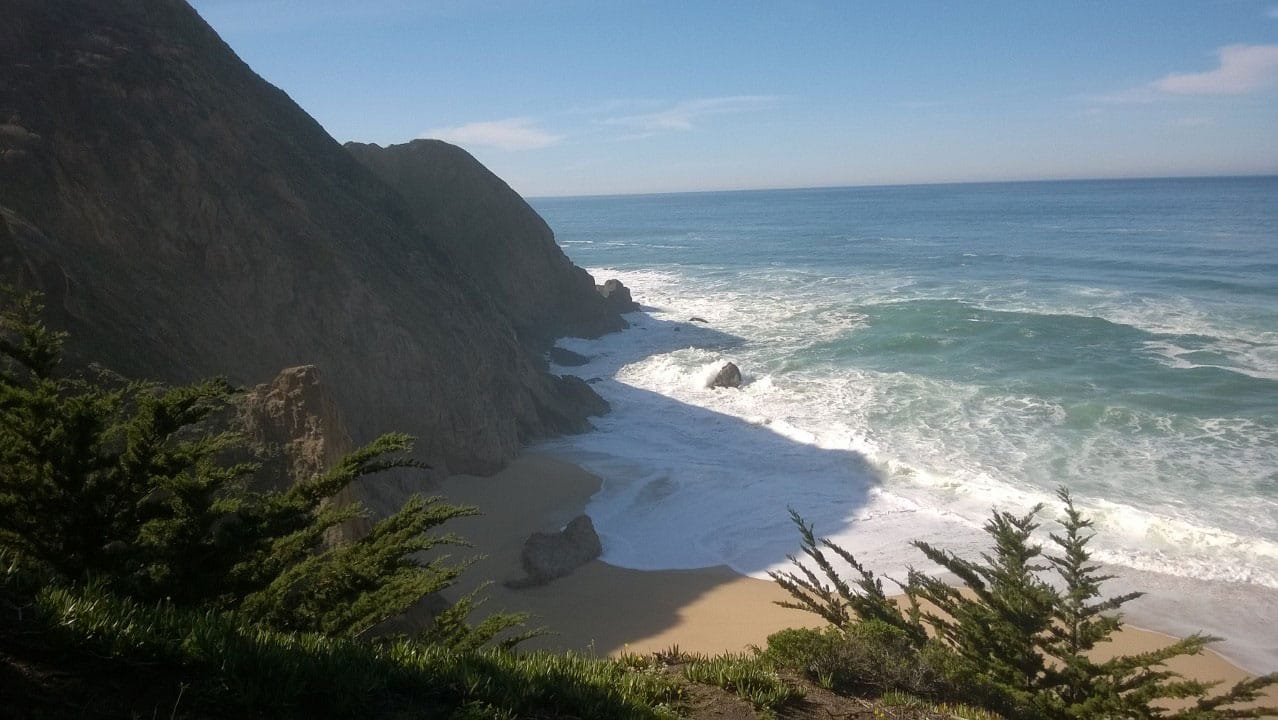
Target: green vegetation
<point x="133" y="487"/>
<point x="220" y="665"/>
<point x="1007" y="640"/>
<point x="749" y="677"/>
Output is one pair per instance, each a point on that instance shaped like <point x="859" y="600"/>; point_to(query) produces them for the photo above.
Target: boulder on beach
<point x="547" y="556"/>
<point x="617" y="296"/>
<point x="729" y="376"/>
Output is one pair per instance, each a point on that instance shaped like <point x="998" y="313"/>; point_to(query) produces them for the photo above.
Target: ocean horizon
<point x="533" y="199"/>
<point x="916" y="355"/>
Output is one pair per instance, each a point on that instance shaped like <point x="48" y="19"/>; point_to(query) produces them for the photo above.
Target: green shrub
<point x="128" y="485"/>
<point x="1005" y="639"/>
<point x="811" y="652"/>
<point x="868" y="658"/>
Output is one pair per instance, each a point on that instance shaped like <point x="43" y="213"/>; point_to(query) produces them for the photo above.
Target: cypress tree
<point x="1019" y="643"/>
<point x="128" y="485"/>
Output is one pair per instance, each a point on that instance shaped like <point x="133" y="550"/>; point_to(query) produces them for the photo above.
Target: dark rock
<point x="729" y="376"/>
<point x="584" y="400"/>
<point x="617" y="296"/>
<point x="547" y="556"/>
<point x="694" y="318"/>
<point x="566" y="358"/>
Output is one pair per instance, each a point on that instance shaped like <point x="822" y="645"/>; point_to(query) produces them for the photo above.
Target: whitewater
<point x="916" y="356"/>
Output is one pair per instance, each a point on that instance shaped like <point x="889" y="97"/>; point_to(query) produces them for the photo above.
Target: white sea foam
<point x="696" y="477"/>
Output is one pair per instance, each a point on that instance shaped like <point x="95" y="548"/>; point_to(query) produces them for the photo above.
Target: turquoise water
<point x="916" y="355"/>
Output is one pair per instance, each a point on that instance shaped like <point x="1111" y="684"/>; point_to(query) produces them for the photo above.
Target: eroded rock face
<point x="295" y="415"/>
<point x="547" y="556"/>
<point x="296" y="423"/>
<point x="617" y="296"/>
<point x="495" y="237"/>
<point x="186" y="219"/>
<point x="729" y="376"/>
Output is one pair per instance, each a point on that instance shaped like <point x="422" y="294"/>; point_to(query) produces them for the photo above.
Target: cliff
<point x="185" y="218"/>
<point x="495" y="237"/>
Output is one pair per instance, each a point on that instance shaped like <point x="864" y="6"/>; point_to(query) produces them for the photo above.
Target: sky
<point x="591" y="97"/>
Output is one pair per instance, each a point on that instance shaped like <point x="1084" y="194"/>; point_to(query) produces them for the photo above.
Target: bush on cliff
<point x="129" y="485"/>
<point x="1007" y="639"/>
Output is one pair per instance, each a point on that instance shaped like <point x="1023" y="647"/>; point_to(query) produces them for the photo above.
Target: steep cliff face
<point x="496" y="238"/>
<point x="186" y="218"/>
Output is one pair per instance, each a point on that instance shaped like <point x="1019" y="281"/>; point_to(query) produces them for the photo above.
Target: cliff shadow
<point x="683" y="486"/>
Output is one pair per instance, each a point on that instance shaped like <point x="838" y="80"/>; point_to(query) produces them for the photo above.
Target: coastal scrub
<point x="1006" y="638"/>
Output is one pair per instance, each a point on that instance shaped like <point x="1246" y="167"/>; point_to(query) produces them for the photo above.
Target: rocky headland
<point x="496" y="239"/>
<point x="185" y="218"/>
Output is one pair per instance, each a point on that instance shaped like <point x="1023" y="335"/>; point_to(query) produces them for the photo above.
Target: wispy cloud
<point x="1243" y="69"/>
<point x="1272" y="12"/>
<point x="509" y="134"/>
<point x="687" y="114"/>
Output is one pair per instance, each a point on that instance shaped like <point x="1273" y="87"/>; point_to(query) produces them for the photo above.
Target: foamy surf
<point x="900" y="385"/>
<point x="695" y="477"/>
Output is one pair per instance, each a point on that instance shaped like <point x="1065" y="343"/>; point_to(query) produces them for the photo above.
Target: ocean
<point x="915" y="356"/>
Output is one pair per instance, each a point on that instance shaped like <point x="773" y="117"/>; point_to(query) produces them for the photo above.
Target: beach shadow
<point x="701" y="489"/>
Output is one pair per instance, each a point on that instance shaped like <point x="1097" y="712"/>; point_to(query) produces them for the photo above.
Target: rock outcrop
<point x="297" y="426"/>
<point x="185" y="219"/>
<point x="296" y="421"/>
<point x="547" y="556"/>
<point x="729" y="376"/>
<point x="495" y="237"/>
<point x="617" y="296"/>
<point x="566" y="358"/>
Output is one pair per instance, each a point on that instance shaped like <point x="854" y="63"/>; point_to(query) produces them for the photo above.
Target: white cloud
<point x="1243" y="69"/>
<point x="509" y="134"/>
<point x="685" y="115"/>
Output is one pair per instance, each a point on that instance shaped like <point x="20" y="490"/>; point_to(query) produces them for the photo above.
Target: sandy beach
<point x="606" y="610"/>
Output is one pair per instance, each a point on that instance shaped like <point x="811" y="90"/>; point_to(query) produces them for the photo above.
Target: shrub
<point x="1006" y="638"/>
<point x="868" y="657"/>
<point x="127" y="485"/>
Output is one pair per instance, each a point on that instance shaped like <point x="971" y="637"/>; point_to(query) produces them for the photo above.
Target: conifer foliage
<point x="132" y="487"/>
<point x="1015" y="641"/>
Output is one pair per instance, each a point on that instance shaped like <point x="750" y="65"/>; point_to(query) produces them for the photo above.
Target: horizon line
<point x="1132" y="178"/>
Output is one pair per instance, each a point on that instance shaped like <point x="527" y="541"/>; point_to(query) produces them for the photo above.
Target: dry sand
<point x="606" y="610"/>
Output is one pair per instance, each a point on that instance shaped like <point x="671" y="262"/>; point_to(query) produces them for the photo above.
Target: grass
<point x="224" y="667"/>
<point x="747" y="676"/>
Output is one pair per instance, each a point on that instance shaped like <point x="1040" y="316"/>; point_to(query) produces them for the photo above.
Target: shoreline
<point x="605" y="610"/>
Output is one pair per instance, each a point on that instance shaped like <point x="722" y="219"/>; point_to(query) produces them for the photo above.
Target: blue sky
<point x="566" y="97"/>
